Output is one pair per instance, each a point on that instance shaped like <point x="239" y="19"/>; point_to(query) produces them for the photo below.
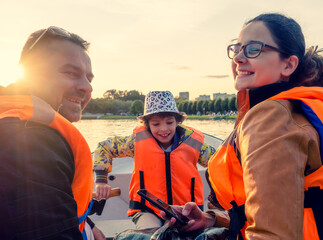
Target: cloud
<point x="178" y="67"/>
<point x="217" y="76"/>
<point x="181" y="67"/>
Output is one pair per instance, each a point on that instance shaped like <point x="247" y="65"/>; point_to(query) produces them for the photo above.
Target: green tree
<point x="194" y="107"/>
<point x="111" y="94"/>
<point x="103" y="105"/>
<point x="122" y="106"/>
<point x="137" y="107"/>
<point x="233" y="104"/>
<point x="113" y="106"/>
<point x="190" y="108"/>
<point x="133" y="95"/>
<point x="178" y="101"/>
<point x="211" y="105"/>
<point x="225" y="105"/>
<point x="93" y="107"/>
<point x="180" y="106"/>
<point x="123" y="95"/>
<point x="218" y="105"/>
<point x="185" y="106"/>
<point x="200" y="106"/>
<point x="205" y="106"/>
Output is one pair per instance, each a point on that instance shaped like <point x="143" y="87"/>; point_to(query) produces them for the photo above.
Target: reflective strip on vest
<point x="143" y="135"/>
<point x="194" y="143"/>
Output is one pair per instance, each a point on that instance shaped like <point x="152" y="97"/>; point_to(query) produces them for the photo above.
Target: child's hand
<point x="102" y="190"/>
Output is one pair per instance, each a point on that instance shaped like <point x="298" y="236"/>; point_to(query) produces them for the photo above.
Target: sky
<point x="147" y="45"/>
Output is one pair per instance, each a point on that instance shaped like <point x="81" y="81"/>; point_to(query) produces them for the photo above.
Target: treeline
<point x="118" y="102"/>
<point x="217" y="106"/>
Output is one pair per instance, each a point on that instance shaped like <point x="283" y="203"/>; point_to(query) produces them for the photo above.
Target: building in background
<point x="222" y="95"/>
<point x="203" y="98"/>
<point x="184" y="95"/>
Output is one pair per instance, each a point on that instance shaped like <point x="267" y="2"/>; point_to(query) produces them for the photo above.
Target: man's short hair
<point x="43" y="36"/>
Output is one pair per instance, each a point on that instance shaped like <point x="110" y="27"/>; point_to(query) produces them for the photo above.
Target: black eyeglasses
<point x="53" y="30"/>
<point x="250" y="50"/>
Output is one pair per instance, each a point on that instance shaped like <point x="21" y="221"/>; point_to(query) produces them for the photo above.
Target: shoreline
<point x="189" y="117"/>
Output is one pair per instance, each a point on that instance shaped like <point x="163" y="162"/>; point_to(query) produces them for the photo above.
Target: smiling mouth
<point x="244" y="73"/>
<point x="165" y="135"/>
<point x="73" y="100"/>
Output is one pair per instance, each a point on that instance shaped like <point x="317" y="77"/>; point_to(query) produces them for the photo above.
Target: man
<point x="46" y="168"/>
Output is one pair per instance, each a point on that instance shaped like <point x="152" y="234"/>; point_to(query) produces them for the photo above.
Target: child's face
<point x="163" y="129"/>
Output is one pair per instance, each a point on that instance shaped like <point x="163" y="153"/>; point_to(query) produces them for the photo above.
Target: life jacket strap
<point x="142" y="186"/>
<point x="313" y="198"/>
<point x="237" y="221"/>
<point x="83" y="217"/>
<point x="139" y="206"/>
<point x="87" y="212"/>
<point x="192" y="189"/>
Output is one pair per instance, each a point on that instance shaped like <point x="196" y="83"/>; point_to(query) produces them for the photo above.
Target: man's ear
<point x="291" y="64"/>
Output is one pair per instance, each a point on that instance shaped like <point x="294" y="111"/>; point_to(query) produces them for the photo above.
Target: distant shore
<point x="190" y="117"/>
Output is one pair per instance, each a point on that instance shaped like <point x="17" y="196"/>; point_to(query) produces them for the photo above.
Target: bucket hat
<point x="160" y="101"/>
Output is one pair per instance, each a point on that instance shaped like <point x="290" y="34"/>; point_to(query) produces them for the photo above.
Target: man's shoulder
<point x="37" y="165"/>
<point x="23" y="127"/>
<point x="27" y="137"/>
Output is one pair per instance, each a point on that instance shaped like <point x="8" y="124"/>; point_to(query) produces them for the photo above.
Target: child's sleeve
<point x="205" y="154"/>
<point x="115" y="147"/>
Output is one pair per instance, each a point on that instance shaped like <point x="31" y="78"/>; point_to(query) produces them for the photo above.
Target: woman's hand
<point x="197" y="218"/>
<point x="102" y="190"/>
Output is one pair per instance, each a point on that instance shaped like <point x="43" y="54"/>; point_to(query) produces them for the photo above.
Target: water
<point x="95" y="131"/>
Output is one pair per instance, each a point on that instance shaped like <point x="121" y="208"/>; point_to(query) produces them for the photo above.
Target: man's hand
<point x="102" y="190"/>
<point x="197" y="218"/>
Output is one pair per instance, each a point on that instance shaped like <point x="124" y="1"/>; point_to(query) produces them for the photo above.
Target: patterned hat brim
<point x="141" y="117"/>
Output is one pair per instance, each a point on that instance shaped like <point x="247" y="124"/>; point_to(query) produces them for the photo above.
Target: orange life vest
<point x="226" y="177"/>
<point x="34" y="109"/>
<point x="172" y="177"/>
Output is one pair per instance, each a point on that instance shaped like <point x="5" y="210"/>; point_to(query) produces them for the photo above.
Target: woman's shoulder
<point x="281" y="114"/>
<point x="280" y="123"/>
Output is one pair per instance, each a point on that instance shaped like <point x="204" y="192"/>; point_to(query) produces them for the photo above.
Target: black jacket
<point x="36" y="173"/>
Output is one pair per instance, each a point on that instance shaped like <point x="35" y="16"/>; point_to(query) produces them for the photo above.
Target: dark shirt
<point x="36" y="173"/>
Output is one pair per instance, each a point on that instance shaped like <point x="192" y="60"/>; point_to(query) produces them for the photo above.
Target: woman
<point x="270" y="162"/>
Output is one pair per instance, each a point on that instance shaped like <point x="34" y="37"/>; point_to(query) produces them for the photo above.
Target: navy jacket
<point x="36" y="173"/>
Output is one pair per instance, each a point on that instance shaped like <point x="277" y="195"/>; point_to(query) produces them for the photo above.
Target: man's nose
<point x="85" y="85"/>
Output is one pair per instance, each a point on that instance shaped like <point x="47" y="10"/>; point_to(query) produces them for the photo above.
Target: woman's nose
<point x="240" y="58"/>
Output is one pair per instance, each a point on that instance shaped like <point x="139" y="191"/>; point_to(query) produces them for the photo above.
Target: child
<point x="165" y="160"/>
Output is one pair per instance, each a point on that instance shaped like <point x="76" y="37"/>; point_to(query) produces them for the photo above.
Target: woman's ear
<point x="291" y="64"/>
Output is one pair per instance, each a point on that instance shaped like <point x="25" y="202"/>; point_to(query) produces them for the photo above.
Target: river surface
<point x="98" y="130"/>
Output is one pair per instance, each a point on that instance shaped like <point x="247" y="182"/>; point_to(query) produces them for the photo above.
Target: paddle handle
<point x="114" y="193"/>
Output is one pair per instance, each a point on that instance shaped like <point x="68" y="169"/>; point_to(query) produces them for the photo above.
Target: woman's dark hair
<point x="289" y="37"/>
<point x="178" y="117"/>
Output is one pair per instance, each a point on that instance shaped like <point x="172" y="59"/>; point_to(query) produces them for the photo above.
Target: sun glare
<point x="12" y="74"/>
